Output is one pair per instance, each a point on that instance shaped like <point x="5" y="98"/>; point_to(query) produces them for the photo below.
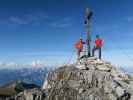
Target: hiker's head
<point x="97" y="36"/>
<point x="80" y="38"/>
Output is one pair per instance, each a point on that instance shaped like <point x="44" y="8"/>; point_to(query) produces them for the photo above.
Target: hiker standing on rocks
<point x="97" y="46"/>
<point x="79" y="47"/>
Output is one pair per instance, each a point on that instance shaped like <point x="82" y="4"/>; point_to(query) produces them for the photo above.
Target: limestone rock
<point x="95" y="80"/>
<point x="119" y="91"/>
<point x="46" y="85"/>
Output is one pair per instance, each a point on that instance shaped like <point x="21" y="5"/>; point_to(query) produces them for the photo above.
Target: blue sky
<point x="45" y="30"/>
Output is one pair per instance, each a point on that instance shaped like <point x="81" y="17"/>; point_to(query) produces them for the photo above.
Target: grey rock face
<point x="98" y="80"/>
<point x="33" y="94"/>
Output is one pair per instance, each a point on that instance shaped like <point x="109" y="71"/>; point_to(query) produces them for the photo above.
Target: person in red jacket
<point x="79" y="47"/>
<point x="97" y="46"/>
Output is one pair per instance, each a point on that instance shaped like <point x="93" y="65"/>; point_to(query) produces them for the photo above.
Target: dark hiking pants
<point x="96" y="48"/>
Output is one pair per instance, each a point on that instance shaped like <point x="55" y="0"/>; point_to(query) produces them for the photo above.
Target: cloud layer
<point x="37" y="18"/>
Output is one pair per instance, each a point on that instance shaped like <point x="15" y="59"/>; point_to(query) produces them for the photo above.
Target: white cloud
<point x="65" y="22"/>
<point x="30" y="18"/>
<point x="17" y="20"/>
<point x="119" y="57"/>
<point x="38" y="63"/>
<point x="36" y="19"/>
<point x="60" y="25"/>
<point x="11" y="64"/>
<point x="2" y="64"/>
<point x="37" y="59"/>
<point x="130" y="19"/>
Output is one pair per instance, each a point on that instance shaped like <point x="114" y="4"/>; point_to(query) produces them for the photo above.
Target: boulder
<point x="119" y="91"/>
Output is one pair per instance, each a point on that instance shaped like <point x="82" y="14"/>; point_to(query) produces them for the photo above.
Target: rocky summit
<point x="91" y="79"/>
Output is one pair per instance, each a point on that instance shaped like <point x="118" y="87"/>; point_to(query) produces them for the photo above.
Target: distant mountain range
<point x="127" y="69"/>
<point x="30" y="75"/>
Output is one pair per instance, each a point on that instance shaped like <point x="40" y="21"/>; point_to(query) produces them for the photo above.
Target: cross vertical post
<point x="87" y="22"/>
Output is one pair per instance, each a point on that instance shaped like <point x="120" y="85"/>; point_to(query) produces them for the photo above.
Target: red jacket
<point x="79" y="44"/>
<point x="98" y="42"/>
